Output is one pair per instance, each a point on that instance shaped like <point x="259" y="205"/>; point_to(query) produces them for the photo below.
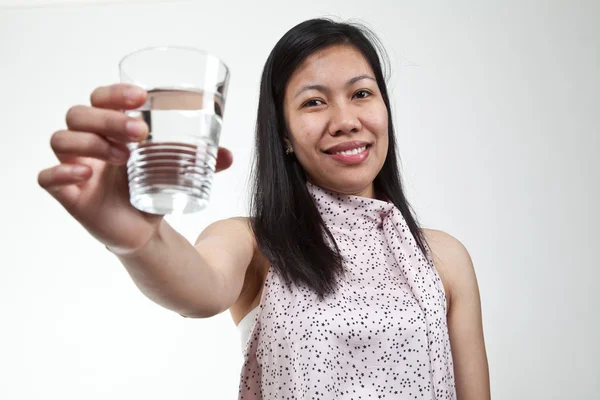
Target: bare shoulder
<point x="445" y="247"/>
<point x="229" y="248"/>
<point x="230" y="245"/>
<point x="236" y="228"/>
<point x="452" y="260"/>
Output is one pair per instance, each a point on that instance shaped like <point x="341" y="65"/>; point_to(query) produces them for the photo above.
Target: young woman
<point x="341" y="293"/>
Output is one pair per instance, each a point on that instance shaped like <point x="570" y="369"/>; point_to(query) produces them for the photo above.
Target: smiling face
<point x="337" y="122"/>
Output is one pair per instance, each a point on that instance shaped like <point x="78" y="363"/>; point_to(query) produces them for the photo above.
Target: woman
<point x="342" y="293"/>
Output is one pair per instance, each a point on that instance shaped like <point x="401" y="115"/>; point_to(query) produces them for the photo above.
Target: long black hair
<point x="286" y="223"/>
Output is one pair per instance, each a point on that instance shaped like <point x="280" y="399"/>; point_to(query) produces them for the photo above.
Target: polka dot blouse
<point x="382" y="335"/>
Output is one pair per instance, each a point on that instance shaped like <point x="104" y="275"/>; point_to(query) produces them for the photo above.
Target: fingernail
<point x="135" y="129"/>
<point x="118" y="154"/>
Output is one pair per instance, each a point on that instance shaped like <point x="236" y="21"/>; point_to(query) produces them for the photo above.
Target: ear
<point x="288" y="144"/>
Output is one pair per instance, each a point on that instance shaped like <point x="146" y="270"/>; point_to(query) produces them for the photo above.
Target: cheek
<point x="380" y="119"/>
<point x="376" y="121"/>
<point x="306" y="133"/>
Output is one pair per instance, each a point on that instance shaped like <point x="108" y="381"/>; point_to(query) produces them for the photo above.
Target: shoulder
<point x="234" y="236"/>
<point x="229" y="248"/>
<point x="236" y="228"/>
<point x="234" y="240"/>
<point x="446" y="247"/>
<point x="231" y="238"/>
<point x="451" y="258"/>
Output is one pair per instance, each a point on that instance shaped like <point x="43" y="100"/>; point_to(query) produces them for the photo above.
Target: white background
<point x="498" y="117"/>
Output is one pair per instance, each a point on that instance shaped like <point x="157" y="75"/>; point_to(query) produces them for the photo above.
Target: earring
<point x="288" y="151"/>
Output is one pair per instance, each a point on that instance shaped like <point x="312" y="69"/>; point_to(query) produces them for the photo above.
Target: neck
<point x="367" y="192"/>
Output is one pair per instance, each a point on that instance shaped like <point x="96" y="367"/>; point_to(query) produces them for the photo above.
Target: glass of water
<point x="171" y="172"/>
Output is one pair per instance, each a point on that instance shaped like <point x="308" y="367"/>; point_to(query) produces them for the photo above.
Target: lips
<point x="349" y="153"/>
<point x="347" y="147"/>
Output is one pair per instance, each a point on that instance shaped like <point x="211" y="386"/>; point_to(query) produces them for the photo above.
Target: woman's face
<point x="337" y="121"/>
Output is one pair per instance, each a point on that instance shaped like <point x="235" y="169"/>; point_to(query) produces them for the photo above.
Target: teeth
<point x="353" y="151"/>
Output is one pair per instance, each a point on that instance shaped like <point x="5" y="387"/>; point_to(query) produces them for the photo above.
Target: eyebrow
<point x="324" y="89"/>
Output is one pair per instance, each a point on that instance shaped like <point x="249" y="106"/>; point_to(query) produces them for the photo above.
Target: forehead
<point x="331" y="66"/>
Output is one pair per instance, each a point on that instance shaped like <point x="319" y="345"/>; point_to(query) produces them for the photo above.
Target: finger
<point x="110" y="123"/>
<point x="224" y="159"/>
<point x="63" y="174"/>
<point x="69" y="145"/>
<point x="120" y="96"/>
<point x="60" y="182"/>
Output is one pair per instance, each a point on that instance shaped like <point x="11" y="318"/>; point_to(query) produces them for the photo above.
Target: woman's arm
<point x="198" y="280"/>
<point x="455" y="268"/>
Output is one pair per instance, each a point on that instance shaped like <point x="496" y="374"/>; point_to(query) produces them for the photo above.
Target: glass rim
<point x="173" y="47"/>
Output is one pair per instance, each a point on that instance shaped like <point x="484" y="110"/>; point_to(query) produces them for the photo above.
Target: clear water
<point x="171" y="172"/>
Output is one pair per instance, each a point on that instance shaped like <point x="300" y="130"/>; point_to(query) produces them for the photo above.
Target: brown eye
<point x="361" y="94"/>
<point x="312" y="103"/>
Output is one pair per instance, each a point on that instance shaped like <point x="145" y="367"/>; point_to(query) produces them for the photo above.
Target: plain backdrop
<point x="497" y="110"/>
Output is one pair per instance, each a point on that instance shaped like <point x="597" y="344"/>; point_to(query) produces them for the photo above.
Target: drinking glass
<point x="171" y="172"/>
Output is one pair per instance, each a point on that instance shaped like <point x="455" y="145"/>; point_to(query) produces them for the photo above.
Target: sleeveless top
<point x="381" y="335"/>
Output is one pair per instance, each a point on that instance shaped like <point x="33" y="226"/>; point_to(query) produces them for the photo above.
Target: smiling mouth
<point x="349" y="152"/>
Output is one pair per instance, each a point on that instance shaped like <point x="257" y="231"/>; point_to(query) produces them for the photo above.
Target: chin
<point x="351" y="180"/>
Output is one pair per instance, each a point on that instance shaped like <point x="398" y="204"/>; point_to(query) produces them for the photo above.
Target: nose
<point x="344" y="120"/>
